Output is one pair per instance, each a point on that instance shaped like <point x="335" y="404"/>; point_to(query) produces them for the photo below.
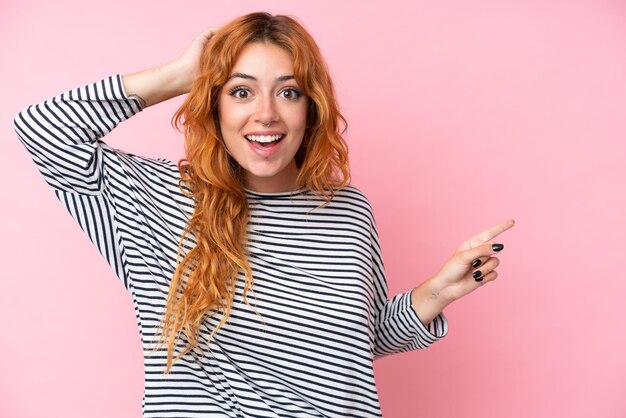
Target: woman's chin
<point x="271" y="177"/>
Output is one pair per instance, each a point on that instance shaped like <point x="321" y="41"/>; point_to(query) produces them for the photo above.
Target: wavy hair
<point x="212" y="249"/>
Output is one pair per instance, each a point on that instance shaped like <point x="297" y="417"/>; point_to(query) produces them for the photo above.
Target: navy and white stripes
<point x="320" y="293"/>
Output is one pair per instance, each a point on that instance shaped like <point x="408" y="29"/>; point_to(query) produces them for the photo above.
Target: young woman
<point x="254" y="265"/>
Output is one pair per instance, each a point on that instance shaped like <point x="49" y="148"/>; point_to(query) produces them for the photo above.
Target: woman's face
<point x="262" y="115"/>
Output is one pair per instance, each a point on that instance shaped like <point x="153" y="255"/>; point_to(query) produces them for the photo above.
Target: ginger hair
<point x="212" y="249"/>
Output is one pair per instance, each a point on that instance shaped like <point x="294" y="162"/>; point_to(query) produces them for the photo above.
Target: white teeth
<point x="263" y="138"/>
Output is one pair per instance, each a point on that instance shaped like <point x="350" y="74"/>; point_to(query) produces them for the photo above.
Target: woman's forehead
<point x="263" y="61"/>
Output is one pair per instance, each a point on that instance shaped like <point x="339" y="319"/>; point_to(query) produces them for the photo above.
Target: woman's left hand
<point x="459" y="275"/>
<point x="472" y="264"/>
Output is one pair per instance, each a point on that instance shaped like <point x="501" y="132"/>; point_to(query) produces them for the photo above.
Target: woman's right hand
<point x="161" y="83"/>
<point x="190" y="58"/>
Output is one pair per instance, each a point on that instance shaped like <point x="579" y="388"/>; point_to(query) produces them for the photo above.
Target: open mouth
<point x="265" y="140"/>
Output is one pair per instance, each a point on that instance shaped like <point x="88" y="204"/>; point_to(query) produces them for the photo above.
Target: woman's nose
<point x="266" y="110"/>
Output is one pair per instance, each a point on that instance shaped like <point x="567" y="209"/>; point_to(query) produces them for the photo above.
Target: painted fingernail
<point x="477" y="274"/>
<point x="476" y="262"/>
<point x="479" y="279"/>
<point x="497" y="247"/>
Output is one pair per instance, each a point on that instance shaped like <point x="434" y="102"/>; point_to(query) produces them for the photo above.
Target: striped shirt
<point x="319" y="283"/>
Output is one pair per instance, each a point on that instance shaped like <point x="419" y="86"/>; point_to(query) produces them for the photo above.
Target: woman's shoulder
<point x="160" y="177"/>
<point x="162" y="168"/>
<point x="350" y="191"/>
<point x="354" y="200"/>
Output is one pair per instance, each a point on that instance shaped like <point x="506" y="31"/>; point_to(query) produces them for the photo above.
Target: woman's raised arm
<point x="161" y="83"/>
<point x="100" y="185"/>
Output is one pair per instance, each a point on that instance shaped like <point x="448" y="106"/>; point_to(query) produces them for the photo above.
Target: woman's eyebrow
<point x="249" y="77"/>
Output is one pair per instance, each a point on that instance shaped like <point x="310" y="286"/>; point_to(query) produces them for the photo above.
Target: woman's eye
<point x="239" y="93"/>
<point x="291" y="93"/>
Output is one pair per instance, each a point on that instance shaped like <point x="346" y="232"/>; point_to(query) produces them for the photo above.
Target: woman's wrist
<point x="429" y="299"/>
<point x="155" y="85"/>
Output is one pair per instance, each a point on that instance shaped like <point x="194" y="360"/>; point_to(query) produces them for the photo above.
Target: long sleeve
<point x="397" y="326"/>
<point x="118" y="199"/>
<point x="63" y="134"/>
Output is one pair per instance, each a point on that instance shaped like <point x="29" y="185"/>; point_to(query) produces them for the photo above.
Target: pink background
<point x="462" y="114"/>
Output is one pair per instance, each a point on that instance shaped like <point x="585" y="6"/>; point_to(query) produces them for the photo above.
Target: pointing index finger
<point x="494" y="231"/>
